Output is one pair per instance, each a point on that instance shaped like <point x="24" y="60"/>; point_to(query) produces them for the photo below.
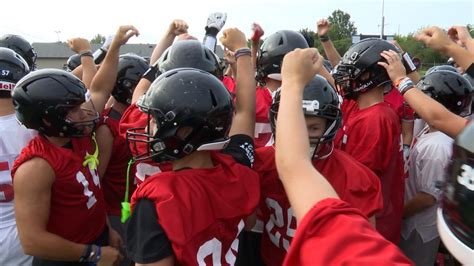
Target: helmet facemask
<point x="57" y="121"/>
<point x="353" y="81"/>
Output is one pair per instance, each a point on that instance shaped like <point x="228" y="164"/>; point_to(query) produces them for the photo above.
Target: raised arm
<point x="88" y="70"/>
<point x="244" y="118"/>
<point x="257" y="33"/>
<point x="332" y="54"/>
<point x="101" y="87"/>
<point x="438" y="40"/>
<point x="176" y="28"/>
<point x="434" y="113"/>
<point x="304" y="185"/>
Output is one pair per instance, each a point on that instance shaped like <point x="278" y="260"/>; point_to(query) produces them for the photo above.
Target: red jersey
<point x="229" y="83"/>
<point x="134" y="118"/>
<point x="77" y="209"/>
<point x="352" y="181"/>
<point x="372" y="136"/>
<point x="263" y="130"/>
<point x="333" y="233"/>
<point x="395" y="99"/>
<point x="114" y="179"/>
<point x="202" y="211"/>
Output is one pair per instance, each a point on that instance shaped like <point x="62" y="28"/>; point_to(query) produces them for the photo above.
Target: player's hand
<point x="124" y="33"/>
<point x="109" y="256"/>
<point x="394" y="65"/>
<point x="435" y="38"/>
<point x="79" y="45"/>
<point x="459" y="35"/>
<point x="177" y="27"/>
<point x="300" y="66"/>
<point x="323" y="27"/>
<point x="257" y="32"/>
<point x="233" y="39"/>
<point x="216" y="21"/>
<point x="229" y="57"/>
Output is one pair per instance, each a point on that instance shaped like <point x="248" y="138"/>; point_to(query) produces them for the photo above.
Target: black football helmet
<point x="441" y="67"/>
<point x="358" y="70"/>
<point x="450" y="89"/>
<point x="191" y="53"/>
<point x="319" y="100"/>
<point x="43" y="99"/>
<point x="274" y="48"/>
<point x="12" y="69"/>
<point x="130" y="69"/>
<point x="456" y="213"/>
<point x="192" y="110"/>
<point x="21" y="47"/>
<point x="73" y="62"/>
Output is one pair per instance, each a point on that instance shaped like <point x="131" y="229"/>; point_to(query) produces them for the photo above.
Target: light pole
<point x="383" y="20"/>
<point x="57" y="34"/>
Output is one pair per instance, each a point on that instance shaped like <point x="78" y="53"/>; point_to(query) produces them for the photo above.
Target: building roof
<point x="62" y="50"/>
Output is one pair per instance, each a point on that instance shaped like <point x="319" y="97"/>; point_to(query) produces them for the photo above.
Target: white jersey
<point x="13" y="137"/>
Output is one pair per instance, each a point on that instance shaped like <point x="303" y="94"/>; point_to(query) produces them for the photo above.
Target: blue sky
<point x="48" y="20"/>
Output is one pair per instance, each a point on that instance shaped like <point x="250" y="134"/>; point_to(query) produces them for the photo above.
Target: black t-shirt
<point x="146" y="241"/>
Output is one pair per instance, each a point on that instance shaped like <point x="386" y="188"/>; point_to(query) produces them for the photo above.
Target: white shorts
<point x="11" y="252"/>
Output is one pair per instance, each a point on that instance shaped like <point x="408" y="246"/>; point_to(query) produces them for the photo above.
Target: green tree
<point x="309" y="35"/>
<point x="341" y="25"/>
<point x="428" y="56"/>
<point x="98" y="39"/>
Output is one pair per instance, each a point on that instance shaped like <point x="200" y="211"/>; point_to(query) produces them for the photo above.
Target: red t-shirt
<point x="202" y="211"/>
<point x="372" y="136"/>
<point x="352" y="181"/>
<point x="333" y="233"/>
<point x="114" y="180"/>
<point x="77" y="209"/>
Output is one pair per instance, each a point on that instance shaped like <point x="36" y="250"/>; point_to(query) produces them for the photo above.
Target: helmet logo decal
<point x="6" y="86"/>
<point x="310" y="106"/>
<point x="467" y="177"/>
<point x="354" y="56"/>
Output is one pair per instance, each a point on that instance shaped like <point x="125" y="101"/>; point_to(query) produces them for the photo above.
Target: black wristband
<point x="86" y="53"/>
<point x="324" y="38"/>
<point x="151" y="73"/>
<point x="86" y="253"/>
<point x="470" y="70"/>
<point x="211" y="31"/>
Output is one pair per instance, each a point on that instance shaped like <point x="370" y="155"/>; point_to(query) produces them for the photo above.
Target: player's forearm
<point x="254" y="50"/>
<point x="304" y="185"/>
<point x="245" y="95"/>
<point x="106" y="76"/>
<point x="88" y="70"/>
<point x="463" y="58"/>
<point x="434" y="113"/>
<point x="419" y="203"/>
<point x="165" y="42"/>
<point x="50" y="246"/>
<point x="331" y="53"/>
